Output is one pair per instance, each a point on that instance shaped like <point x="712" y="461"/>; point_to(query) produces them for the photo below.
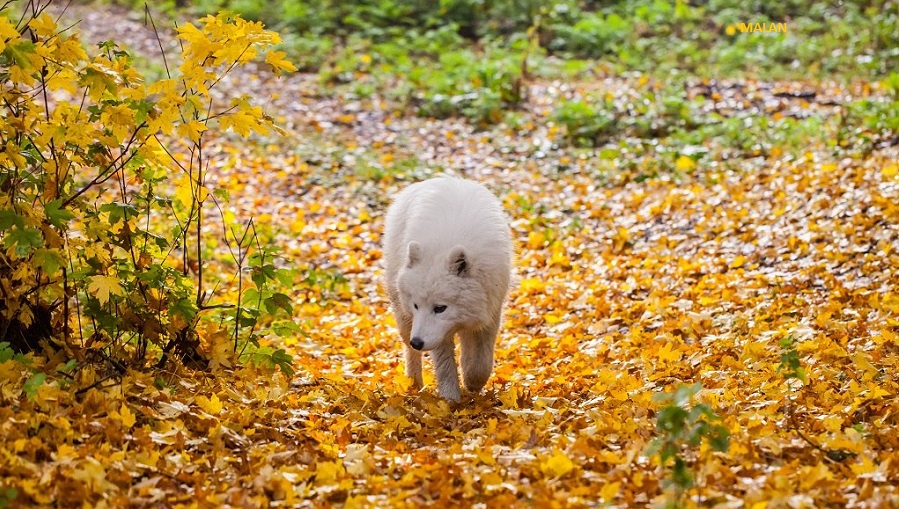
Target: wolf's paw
<point x="451" y="394"/>
<point x="474" y="385"/>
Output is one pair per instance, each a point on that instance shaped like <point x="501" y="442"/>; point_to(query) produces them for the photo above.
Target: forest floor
<point x="764" y="270"/>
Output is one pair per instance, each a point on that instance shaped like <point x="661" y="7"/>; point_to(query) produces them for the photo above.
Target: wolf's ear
<point x="458" y="262"/>
<point x="414" y="250"/>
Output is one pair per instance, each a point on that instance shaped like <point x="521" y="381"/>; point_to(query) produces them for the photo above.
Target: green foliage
<point x="682" y="426"/>
<point x="34" y="382"/>
<point x="263" y="299"/>
<point x="586" y="124"/>
<point x="7" y="496"/>
<point x="421" y="54"/>
<point x="85" y="182"/>
<point x="646" y="35"/>
<point x="790" y="363"/>
<point x="329" y="283"/>
<point x="435" y="73"/>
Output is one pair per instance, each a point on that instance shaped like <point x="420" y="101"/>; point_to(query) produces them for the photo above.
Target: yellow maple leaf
<point x="192" y="130"/>
<point x="328" y="471"/>
<point x="211" y="405"/>
<point x="610" y="491"/>
<point x="532" y="284"/>
<point x="102" y="286"/>
<point x="7" y="32"/>
<point x="810" y="476"/>
<point x="43" y="25"/>
<point x="621" y="237"/>
<point x="278" y="62"/>
<point x="557" y="464"/>
<point x="865" y="467"/>
<point x="127" y="416"/>
<point x="668" y="353"/>
<point x="243" y="121"/>
<point x="509" y="398"/>
<point x="222" y="352"/>
<point x="684" y="163"/>
<point x="197" y="45"/>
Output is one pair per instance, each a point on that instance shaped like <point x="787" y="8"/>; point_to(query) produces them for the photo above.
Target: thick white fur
<point x="447" y="243"/>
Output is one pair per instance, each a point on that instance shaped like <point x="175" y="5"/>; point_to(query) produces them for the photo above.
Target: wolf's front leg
<point x="413" y="366"/>
<point x="477" y="357"/>
<point x="413" y="356"/>
<point x="444" y="357"/>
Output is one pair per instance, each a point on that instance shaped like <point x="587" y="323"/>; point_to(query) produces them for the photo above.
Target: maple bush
<point x="101" y="223"/>
<point x="422" y="55"/>
<point x="704" y="314"/>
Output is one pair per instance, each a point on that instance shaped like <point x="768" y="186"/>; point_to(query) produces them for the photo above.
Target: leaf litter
<point x="626" y="287"/>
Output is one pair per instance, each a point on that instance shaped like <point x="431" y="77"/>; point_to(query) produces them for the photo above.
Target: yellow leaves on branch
<point x="124" y="113"/>
<point x="244" y="119"/>
<point x="210" y="52"/>
<point x="278" y="62"/>
<point x="228" y="40"/>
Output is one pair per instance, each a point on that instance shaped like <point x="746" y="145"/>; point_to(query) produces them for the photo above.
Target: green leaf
<point x="117" y="211"/>
<point x="720" y="439"/>
<point x="23" y="239"/>
<point x="32" y="384"/>
<point x="279" y="301"/>
<point x="20" y="52"/>
<point x="262" y="274"/>
<point x="681" y="474"/>
<point x="222" y="194"/>
<point x="287" y="328"/>
<point x="248" y="317"/>
<point x="6" y="351"/>
<point x="98" y="80"/>
<point x="49" y="260"/>
<point x="9" y="218"/>
<point x="57" y="216"/>
<point x="8" y="495"/>
<point x="185" y="308"/>
<point x="284" y="361"/>
<point x="143" y="109"/>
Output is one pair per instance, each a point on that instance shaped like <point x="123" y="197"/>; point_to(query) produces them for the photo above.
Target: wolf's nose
<point x="417" y="343"/>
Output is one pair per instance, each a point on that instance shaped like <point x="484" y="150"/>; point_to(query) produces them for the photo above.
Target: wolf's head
<point x="442" y="292"/>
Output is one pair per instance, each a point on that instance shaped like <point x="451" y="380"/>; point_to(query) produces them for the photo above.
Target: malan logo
<point x="757" y="27"/>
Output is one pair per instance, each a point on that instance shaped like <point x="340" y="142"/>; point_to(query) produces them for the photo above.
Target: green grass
<point x="473" y="59"/>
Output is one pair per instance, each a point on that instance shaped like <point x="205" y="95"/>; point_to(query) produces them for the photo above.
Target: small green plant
<point x="793" y="373"/>
<point x="6" y="351"/>
<point x="262" y="299"/>
<point x="7" y="496"/>
<point x="682" y="426"/>
<point x="33" y="383"/>
<point x="585" y="124"/>
<point x="790" y="364"/>
<point x="328" y="282"/>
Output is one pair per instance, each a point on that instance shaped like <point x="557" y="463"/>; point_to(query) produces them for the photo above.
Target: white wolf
<point x="448" y="253"/>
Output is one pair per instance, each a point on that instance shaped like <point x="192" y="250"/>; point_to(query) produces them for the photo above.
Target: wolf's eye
<point x="439" y="309"/>
<point x="415" y="306"/>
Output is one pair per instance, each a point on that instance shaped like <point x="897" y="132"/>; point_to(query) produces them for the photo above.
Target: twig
<point x="835" y="455"/>
<point x="95" y="384"/>
<point x="165" y="62"/>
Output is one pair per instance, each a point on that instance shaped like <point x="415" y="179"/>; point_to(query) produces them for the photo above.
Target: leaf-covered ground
<point x="627" y="286"/>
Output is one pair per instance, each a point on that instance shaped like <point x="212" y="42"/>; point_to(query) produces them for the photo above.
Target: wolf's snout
<point x="417" y="343"/>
